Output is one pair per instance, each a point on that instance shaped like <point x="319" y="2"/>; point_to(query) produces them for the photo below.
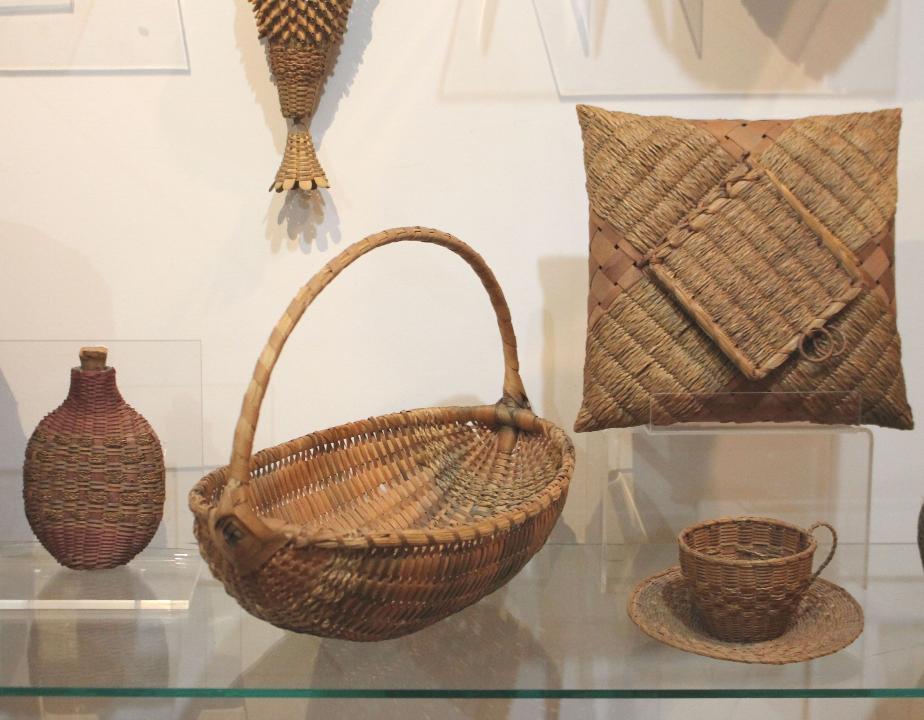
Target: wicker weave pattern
<point x="727" y="295"/>
<point x="94" y="476"/>
<point x="752" y="274"/>
<point x="747" y="575"/>
<point x="301" y="21"/>
<point x="827" y="620"/>
<point x="741" y="139"/>
<point x="645" y="344"/>
<point x="666" y="353"/>
<point x="843" y="167"/>
<point x="299" y="73"/>
<point x="378" y="528"/>
<point x="868" y="366"/>
<point x="300" y="167"/>
<point x="644" y="174"/>
<point x="302" y="39"/>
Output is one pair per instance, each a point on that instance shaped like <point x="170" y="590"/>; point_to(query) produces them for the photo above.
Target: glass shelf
<point x="550" y="633"/>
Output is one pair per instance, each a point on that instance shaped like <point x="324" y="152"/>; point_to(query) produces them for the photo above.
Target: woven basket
<point x="380" y="527"/>
<point x="302" y="40"/>
<point x="739" y="259"/>
<point x="93" y="477"/>
<point x="747" y="575"/>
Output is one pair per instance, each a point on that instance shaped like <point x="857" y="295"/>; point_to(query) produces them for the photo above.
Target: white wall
<point x="135" y="206"/>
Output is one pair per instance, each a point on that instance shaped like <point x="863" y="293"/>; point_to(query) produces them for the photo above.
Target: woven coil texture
<point x="302" y="38"/>
<point x="93" y="478"/>
<point x="305" y="22"/>
<point x="378" y="528"/>
<point x="747" y="575"/>
<point x="300" y="167"/>
<point x="827" y="620"/>
<point x="736" y="256"/>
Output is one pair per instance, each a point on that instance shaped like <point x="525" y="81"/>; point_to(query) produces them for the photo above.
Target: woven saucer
<point x="828" y="620"/>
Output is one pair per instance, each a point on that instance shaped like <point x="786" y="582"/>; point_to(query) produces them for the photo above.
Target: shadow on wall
<point x="817" y="35"/>
<point x="834" y="28"/>
<point x="296" y="217"/>
<point x="564" y="332"/>
<point x="13" y="522"/>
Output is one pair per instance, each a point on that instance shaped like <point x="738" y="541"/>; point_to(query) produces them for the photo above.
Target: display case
<point x="134" y="139"/>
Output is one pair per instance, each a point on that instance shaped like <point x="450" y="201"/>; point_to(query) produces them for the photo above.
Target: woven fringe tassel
<point x="300" y="166"/>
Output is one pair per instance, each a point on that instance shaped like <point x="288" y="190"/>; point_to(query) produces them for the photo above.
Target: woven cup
<point x="746" y="575"/>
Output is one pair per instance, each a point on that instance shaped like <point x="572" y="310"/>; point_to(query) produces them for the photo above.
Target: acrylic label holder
<point x="697" y="459"/>
<point x="92" y="36"/>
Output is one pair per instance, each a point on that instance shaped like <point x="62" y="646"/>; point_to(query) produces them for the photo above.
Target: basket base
<point x="300" y="168"/>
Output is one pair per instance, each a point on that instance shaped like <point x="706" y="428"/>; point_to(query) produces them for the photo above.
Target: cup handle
<point x="827" y="560"/>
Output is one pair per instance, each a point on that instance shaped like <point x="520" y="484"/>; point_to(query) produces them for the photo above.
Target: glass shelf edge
<point x="464" y="693"/>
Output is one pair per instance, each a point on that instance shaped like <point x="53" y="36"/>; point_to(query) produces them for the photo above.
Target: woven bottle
<point x="93" y="479"/>
<point x="302" y="39"/>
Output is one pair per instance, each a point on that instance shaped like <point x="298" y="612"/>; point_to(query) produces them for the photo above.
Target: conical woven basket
<point x="302" y="40"/>
<point x="380" y="527"/>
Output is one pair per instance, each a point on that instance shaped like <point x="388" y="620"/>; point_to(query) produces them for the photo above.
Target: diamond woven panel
<point x="736" y="256"/>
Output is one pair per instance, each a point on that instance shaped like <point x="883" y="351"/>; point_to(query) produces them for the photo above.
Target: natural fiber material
<point x="380" y="527"/>
<point x="300" y="167"/>
<point x="747" y="575"/>
<point x="731" y="256"/>
<point x="827" y="620"/>
<point x="302" y="39"/>
<point x="93" y="479"/>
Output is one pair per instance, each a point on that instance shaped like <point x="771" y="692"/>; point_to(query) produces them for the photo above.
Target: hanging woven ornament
<point x="302" y="39"/>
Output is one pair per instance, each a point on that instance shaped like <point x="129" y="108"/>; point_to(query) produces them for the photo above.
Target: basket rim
<point x="736" y="562"/>
<point x="300" y="536"/>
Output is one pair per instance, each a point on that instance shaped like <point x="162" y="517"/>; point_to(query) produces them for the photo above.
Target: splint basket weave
<point x="380" y="527"/>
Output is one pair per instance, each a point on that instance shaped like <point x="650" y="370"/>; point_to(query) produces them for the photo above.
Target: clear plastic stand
<point x="157" y="579"/>
<point x="672" y="475"/>
<point x="163" y="381"/>
<point x="92" y="36"/>
<point x="34" y="7"/>
<point x="761" y="411"/>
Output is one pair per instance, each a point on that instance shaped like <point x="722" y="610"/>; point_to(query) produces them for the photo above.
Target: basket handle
<point x="827" y="560"/>
<point x="250" y="410"/>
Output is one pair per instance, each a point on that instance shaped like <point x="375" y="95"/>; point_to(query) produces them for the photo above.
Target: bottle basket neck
<point x="94" y="388"/>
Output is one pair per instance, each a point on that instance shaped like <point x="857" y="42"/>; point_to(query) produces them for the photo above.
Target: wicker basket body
<point x="93" y="478"/>
<point x="378" y="528"/>
<point x="302" y="41"/>
<point x="747" y="575"/>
